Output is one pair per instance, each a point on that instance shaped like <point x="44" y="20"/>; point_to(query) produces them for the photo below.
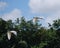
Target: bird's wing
<point x="9" y="35"/>
<point x="40" y="18"/>
<point x="14" y="32"/>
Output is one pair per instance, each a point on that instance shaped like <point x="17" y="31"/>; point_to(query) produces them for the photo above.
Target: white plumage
<point x="9" y="33"/>
<point x="14" y="32"/>
<point x="36" y="18"/>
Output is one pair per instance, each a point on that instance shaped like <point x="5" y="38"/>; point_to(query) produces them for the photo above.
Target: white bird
<point x="36" y="18"/>
<point x="9" y="33"/>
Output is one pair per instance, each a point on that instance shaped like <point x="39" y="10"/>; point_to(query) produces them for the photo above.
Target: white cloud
<point x="44" y="6"/>
<point x="2" y="5"/>
<point x="16" y="13"/>
<point x="53" y="17"/>
<point x="48" y="7"/>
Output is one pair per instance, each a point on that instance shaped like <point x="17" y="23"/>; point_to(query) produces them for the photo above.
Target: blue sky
<point x="48" y="9"/>
<point x="18" y="4"/>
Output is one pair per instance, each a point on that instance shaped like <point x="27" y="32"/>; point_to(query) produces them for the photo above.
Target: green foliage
<point x="56" y="23"/>
<point x="29" y="35"/>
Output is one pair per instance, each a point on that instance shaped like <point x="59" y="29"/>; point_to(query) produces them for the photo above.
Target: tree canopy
<point x="29" y="35"/>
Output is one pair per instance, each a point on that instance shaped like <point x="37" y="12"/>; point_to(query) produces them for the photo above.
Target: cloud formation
<point x="44" y="6"/>
<point x="50" y="7"/>
<point x="2" y="5"/>
<point x="16" y="13"/>
<point x="53" y="17"/>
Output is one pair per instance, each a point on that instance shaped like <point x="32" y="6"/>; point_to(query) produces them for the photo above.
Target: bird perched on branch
<point x="9" y="33"/>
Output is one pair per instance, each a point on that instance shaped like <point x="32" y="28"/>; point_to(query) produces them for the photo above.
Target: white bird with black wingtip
<point x="9" y="33"/>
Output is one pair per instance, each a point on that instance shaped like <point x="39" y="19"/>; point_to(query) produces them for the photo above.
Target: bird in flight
<point x="36" y="18"/>
<point x="9" y="33"/>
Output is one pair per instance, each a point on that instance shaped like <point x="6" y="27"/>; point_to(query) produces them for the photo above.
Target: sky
<point x="48" y="9"/>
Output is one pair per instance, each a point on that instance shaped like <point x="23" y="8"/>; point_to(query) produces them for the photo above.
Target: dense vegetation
<point x="29" y="35"/>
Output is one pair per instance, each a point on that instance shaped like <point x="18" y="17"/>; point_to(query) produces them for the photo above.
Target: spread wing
<point x="14" y="32"/>
<point x="9" y="35"/>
